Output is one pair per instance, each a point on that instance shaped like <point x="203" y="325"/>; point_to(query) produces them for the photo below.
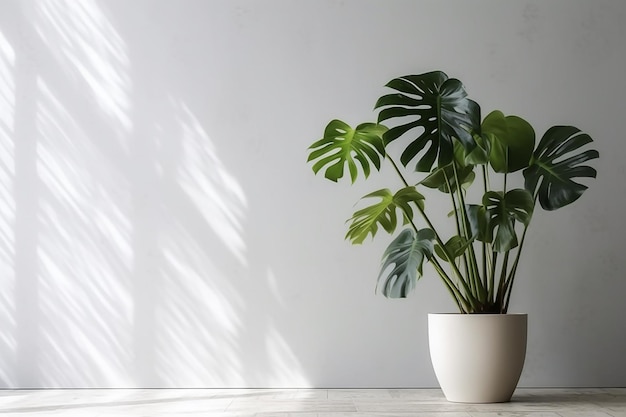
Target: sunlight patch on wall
<point x="199" y="318"/>
<point x="199" y="310"/>
<point x="87" y="46"/>
<point x="7" y="212"/>
<point x="84" y="254"/>
<point x="273" y="286"/>
<point x="284" y="367"/>
<point x="286" y="370"/>
<point x="214" y="191"/>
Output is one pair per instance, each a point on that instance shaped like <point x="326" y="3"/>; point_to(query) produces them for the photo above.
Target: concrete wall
<point x="159" y="225"/>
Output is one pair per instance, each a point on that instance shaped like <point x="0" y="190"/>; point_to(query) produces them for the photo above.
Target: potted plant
<point x="443" y="143"/>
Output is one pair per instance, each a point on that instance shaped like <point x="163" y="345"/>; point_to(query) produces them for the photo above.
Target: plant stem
<point x="511" y="277"/>
<point x="472" y="299"/>
<point x="484" y="244"/>
<point x="456" y="221"/>
<point x="502" y="282"/>
<point x="506" y="167"/>
<point x="474" y="275"/>
<point x="492" y="274"/>
<point x="504" y="190"/>
<point x="485" y="185"/>
<point x="406" y="184"/>
<point x="461" y="302"/>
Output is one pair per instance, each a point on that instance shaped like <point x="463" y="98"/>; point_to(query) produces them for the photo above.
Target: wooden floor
<point x="306" y="403"/>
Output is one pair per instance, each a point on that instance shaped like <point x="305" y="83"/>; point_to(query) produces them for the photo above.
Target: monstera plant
<point x="444" y="144"/>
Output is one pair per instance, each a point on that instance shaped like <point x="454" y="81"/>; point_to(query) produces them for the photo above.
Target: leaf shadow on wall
<point x="123" y="233"/>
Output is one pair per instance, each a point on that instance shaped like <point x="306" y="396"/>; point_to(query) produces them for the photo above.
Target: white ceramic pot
<point x="478" y="358"/>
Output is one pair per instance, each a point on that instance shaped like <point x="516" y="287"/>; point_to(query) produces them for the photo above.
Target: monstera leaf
<point x="384" y="213"/>
<point x="437" y="110"/>
<point x="342" y="145"/>
<point x="403" y="260"/>
<point x="554" y="164"/>
<point x="511" y="139"/>
<point x="437" y="178"/>
<point x="455" y="246"/>
<point x="465" y="173"/>
<point x="503" y="211"/>
<point x="480" y="154"/>
<point x="479" y="222"/>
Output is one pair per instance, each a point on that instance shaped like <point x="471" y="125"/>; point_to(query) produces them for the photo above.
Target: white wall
<point x="160" y="227"/>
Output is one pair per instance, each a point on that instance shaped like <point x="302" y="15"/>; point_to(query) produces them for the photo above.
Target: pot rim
<point x="478" y="314"/>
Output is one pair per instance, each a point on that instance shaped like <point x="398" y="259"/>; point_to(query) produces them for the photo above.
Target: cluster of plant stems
<point x="473" y="291"/>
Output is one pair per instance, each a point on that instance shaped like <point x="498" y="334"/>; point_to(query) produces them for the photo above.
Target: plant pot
<point x="478" y="358"/>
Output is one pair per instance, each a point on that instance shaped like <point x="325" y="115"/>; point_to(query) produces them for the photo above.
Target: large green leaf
<point x="455" y="246"/>
<point x="433" y="110"/>
<point x="511" y="140"/>
<point x="403" y="260"/>
<point x="480" y="154"/>
<point x="503" y="211"/>
<point x="479" y="222"/>
<point x="554" y="164"/>
<point x="342" y="145"/>
<point x="437" y="178"/>
<point x="384" y="213"/>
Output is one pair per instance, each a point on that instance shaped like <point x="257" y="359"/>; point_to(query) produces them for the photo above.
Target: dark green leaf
<point x="512" y="135"/>
<point x="435" y="111"/>
<point x="403" y="260"/>
<point x="503" y="211"/>
<point x="480" y="154"/>
<point x="553" y="167"/>
<point x="403" y="199"/>
<point x="456" y="246"/>
<point x="479" y="222"/>
<point x="343" y="145"/>
<point x="366" y="221"/>
<point x="437" y="178"/>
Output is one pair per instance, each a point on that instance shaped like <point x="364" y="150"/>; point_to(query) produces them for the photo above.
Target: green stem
<point x="406" y="184"/>
<point x="506" y="167"/>
<point x="456" y="221"/>
<point x="483" y="254"/>
<point x="485" y="184"/>
<point x="502" y="282"/>
<point x="511" y="277"/>
<point x="456" y="217"/>
<point x="492" y="274"/>
<point x="484" y="244"/>
<point x="461" y="302"/>
<point x="474" y="275"/>
<point x="470" y="295"/>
